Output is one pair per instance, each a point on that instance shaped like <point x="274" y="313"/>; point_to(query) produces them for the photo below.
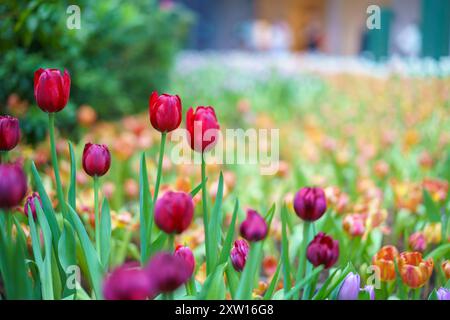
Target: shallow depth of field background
<point x="363" y="111"/>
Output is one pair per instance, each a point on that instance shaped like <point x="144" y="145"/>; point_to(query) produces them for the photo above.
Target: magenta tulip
<point x="168" y="271"/>
<point x="310" y="204"/>
<point x="323" y="250"/>
<point x="31" y="205"/>
<point x="13" y="185"/>
<point x="51" y="89"/>
<point x="9" y="133"/>
<point x="203" y="128"/>
<point x="239" y="254"/>
<point x="165" y="112"/>
<point x="254" y="227"/>
<point x="186" y="254"/>
<point x="174" y="212"/>
<point x="96" y="159"/>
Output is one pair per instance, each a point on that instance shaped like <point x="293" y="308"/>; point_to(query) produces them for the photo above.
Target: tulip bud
<point x="254" y="227"/>
<point x="168" y="271"/>
<point x="239" y="254"/>
<point x="165" y="112"/>
<point x="31" y="205"/>
<point x="443" y="294"/>
<point x="354" y="225"/>
<point x="350" y="287"/>
<point x="51" y="89"/>
<point x="128" y="282"/>
<point x="174" y="212"/>
<point x="310" y="203"/>
<point x="186" y="254"/>
<point x="203" y="128"/>
<point x="13" y="185"/>
<point x="417" y="242"/>
<point x="446" y="268"/>
<point x="414" y="271"/>
<point x="323" y="250"/>
<point x="96" y="159"/>
<point x="384" y="260"/>
<point x="370" y="290"/>
<point x="9" y="133"/>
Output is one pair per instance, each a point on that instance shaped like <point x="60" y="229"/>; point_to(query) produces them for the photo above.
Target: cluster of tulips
<point x="232" y="266"/>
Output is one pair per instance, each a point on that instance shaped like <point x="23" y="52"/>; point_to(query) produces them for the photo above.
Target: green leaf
<point x="159" y="242"/>
<point x="145" y="211"/>
<point x="247" y="281"/>
<point x="337" y="279"/>
<point x="214" y="230"/>
<point x="67" y="248"/>
<point x="303" y="282"/>
<point x="273" y="283"/>
<point x="433" y="295"/>
<point x="94" y="266"/>
<point x="432" y="210"/>
<point x="442" y="251"/>
<point x="73" y="178"/>
<point x="105" y="234"/>
<point x="285" y="250"/>
<point x="214" y="286"/>
<point x="197" y="188"/>
<point x="224" y="255"/>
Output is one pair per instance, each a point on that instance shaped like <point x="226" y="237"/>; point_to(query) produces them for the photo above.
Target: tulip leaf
<point x="105" y="234"/>
<point x="442" y="251"/>
<point x="73" y="178"/>
<point x="67" y="253"/>
<point x="433" y="295"/>
<point x="214" y="231"/>
<point x="159" y="242"/>
<point x="94" y="266"/>
<point x="224" y="255"/>
<point x="335" y="281"/>
<point x="232" y="280"/>
<point x="432" y="210"/>
<point x="273" y="283"/>
<point x="285" y="250"/>
<point x="145" y="213"/>
<point x="247" y="281"/>
<point x="214" y="286"/>
<point x="197" y="188"/>
<point x="298" y="286"/>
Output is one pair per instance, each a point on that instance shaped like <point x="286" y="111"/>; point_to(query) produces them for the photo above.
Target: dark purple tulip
<point x="310" y="203"/>
<point x="350" y="287"/>
<point x="51" y="89"/>
<point x="370" y="290"/>
<point x="13" y="185"/>
<point x="174" y="212"/>
<point x="30" y="203"/>
<point x="186" y="254"/>
<point x="9" y="133"/>
<point x="443" y="294"/>
<point x="323" y="250"/>
<point x="239" y="254"/>
<point x="128" y="282"/>
<point x="254" y="227"/>
<point x="168" y="271"/>
<point x="96" y="159"/>
<point x="165" y="112"/>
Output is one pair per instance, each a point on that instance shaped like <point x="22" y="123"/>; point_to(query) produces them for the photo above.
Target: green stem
<point x="190" y="287"/>
<point x="97" y="216"/>
<point x="160" y="162"/>
<point x="171" y="243"/>
<point x="205" y="212"/>
<point x="303" y="248"/>
<point x="59" y="190"/>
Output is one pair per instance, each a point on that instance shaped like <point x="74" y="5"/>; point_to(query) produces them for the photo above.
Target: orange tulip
<point x="385" y="261"/>
<point x="446" y="268"/>
<point x="414" y="271"/>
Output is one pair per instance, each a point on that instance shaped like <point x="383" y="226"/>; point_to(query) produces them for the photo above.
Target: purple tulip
<point x="30" y="203"/>
<point x="443" y="294"/>
<point x="350" y="287"/>
<point x="323" y="250"/>
<point x="96" y="159"/>
<point x="186" y="254"/>
<point x="168" y="271"/>
<point x="254" y="227"/>
<point x="239" y="254"/>
<point x="9" y="133"/>
<point x="13" y="185"/>
<point x="370" y="290"/>
<point x="174" y="212"/>
<point x="310" y="203"/>
<point x="128" y="282"/>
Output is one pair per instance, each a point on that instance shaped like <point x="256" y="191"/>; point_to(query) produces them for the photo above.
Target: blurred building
<point x="408" y="27"/>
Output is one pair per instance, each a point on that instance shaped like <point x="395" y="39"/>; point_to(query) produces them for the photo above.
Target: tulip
<point x="186" y="254"/>
<point x="96" y="159"/>
<point x="414" y="271"/>
<point x="433" y="232"/>
<point x="323" y="250"/>
<point x="446" y="268"/>
<point x="417" y="242"/>
<point x="254" y="227"/>
<point x="443" y="294"/>
<point x="239" y="254"/>
<point x="128" y="282"/>
<point x="165" y="112"/>
<point x="51" y="89"/>
<point x="370" y="290"/>
<point x="174" y="212"/>
<point x="202" y="126"/>
<point x="168" y="271"/>
<point x="350" y="287"/>
<point x="13" y="185"/>
<point x="9" y="133"/>
<point x="310" y="203"/>
<point x="354" y="225"/>
<point x="384" y="260"/>
<point x="31" y="205"/>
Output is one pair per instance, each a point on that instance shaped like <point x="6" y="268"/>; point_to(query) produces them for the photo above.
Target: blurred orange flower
<point x="414" y="271"/>
<point x="446" y="268"/>
<point x="385" y="261"/>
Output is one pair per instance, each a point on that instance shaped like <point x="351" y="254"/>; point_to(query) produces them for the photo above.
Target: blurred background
<point x="126" y="49"/>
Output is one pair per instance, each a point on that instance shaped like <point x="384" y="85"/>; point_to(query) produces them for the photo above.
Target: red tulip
<point x="51" y="89"/>
<point x="30" y="203"/>
<point x="9" y="133"/>
<point x="174" y="212"/>
<point x="323" y="250"/>
<point x="186" y="254"/>
<point x="13" y="185"/>
<point x="254" y="227"/>
<point x="203" y="128"/>
<point x="128" y="282"/>
<point x="310" y="203"/>
<point x="168" y="271"/>
<point x="239" y="254"/>
<point x="96" y="159"/>
<point x="165" y="112"/>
